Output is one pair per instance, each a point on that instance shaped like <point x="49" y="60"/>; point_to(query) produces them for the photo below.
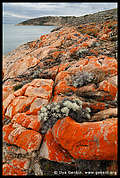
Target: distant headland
<point x="71" y="20"/>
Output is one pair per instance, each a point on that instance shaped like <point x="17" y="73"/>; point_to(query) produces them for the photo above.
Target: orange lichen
<point x="19" y="104"/>
<point x="43" y="37"/>
<point x="88" y="140"/>
<point x="20" y="163"/>
<point x="7" y="129"/>
<point x="61" y="76"/>
<point x="56" y="54"/>
<point x="109" y="88"/>
<point x="73" y="50"/>
<point x="97" y="106"/>
<point x="62" y="67"/>
<point x="21" y="91"/>
<point x="62" y="87"/>
<point x="40" y="44"/>
<point x="8" y="170"/>
<point x="29" y="140"/>
<point x="47" y="87"/>
<point x="55" y="151"/>
<point x="94" y="51"/>
<point x="27" y="121"/>
<point x="104" y="37"/>
<point x="85" y="44"/>
<point x="7" y="90"/>
<point x="7" y="101"/>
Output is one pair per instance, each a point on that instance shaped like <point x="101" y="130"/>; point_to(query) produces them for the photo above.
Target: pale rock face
<point x="44" y="151"/>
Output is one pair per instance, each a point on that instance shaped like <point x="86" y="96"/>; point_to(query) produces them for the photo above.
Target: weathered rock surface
<point x="91" y="141"/>
<point x="60" y="101"/>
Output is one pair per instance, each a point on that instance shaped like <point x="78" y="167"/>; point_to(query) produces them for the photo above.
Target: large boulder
<point x="88" y="140"/>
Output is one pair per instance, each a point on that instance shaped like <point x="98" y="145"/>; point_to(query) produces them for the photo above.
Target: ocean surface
<point x="14" y="36"/>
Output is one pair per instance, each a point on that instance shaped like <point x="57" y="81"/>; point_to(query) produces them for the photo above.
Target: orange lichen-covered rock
<point x="78" y="66"/>
<point x="21" y="91"/>
<point x="36" y="105"/>
<point x="7" y="90"/>
<point x="57" y="98"/>
<point x="109" y="88"/>
<point x="7" y="101"/>
<point x="104" y="37"/>
<point x="19" y="104"/>
<point x="15" y="134"/>
<point x="62" y="67"/>
<point x="94" y="52"/>
<point x="73" y="50"/>
<point x="11" y="151"/>
<point x="61" y="75"/>
<point x="43" y="37"/>
<point x="52" y="72"/>
<point x="85" y="74"/>
<point x="87" y="88"/>
<point x="89" y="42"/>
<point x="41" y="82"/>
<point x="29" y="98"/>
<point x="20" y="66"/>
<point x="53" y="151"/>
<point x="56" y="54"/>
<point x="88" y="140"/>
<point x="7" y="129"/>
<point x="37" y="88"/>
<point x="91" y="63"/>
<point x="109" y="65"/>
<point x="62" y="87"/>
<point x="104" y="114"/>
<point x="27" y="121"/>
<point x="95" y="105"/>
<point x="22" y="164"/>
<point x="9" y="170"/>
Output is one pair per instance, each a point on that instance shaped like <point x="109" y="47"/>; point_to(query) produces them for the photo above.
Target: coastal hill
<point x="59" y="97"/>
<point x="72" y="20"/>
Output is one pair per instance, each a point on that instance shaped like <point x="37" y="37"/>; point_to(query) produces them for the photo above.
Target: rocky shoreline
<point x="60" y="103"/>
<point x="72" y="20"/>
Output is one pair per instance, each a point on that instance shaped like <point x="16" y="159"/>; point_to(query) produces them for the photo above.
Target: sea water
<point x="13" y="36"/>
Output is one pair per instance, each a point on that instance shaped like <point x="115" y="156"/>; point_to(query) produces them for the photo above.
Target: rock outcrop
<point x="72" y="20"/>
<point x="60" y="103"/>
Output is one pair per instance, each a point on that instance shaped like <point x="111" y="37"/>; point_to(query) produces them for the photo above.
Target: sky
<point x="18" y="12"/>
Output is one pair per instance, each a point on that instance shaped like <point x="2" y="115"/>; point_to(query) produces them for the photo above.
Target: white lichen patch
<point x="52" y="112"/>
<point x="67" y="104"/>
<point x="65" y="110"/>
<point x="75" y="107"/>
<point x="43" y="109"/>
<point x="82" y="79"/>
<point x="88" y="109"/>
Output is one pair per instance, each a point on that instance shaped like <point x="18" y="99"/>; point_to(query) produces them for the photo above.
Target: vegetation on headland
<point x="71" y="20"/>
